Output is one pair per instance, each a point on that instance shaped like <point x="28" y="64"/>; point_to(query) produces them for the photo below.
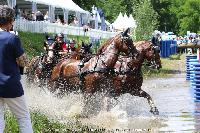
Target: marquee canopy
<point x="123" y="22"/>
<point x="65" y="4"/>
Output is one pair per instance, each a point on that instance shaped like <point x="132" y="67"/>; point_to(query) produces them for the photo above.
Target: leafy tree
<point x="176" y="13"/>
<point x="190" y="18"/>
<point x="146" y="19"/>
<point x="131" y="6"/>
<point x="86" y="4"/>
<point x="111" y="8"/>
<point x="162" y="7"/>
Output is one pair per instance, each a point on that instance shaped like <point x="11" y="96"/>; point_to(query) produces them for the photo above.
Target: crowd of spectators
<point x="43" y="16"/>
<point x="28" y="14"/>
<point x="188" y="40"/>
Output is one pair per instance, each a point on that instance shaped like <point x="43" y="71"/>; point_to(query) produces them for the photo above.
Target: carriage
<point x="123" y="73"/>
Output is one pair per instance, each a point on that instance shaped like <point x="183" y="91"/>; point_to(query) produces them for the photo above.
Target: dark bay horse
<point x="128" y="74"/>
<point x="95" y="70"/>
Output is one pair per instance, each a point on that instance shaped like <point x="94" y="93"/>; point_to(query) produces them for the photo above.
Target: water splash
<point x="130" y="114"/>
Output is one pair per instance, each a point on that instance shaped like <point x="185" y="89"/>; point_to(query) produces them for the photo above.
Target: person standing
<point x="12" y="57"/>
<point x="155" y="40"/>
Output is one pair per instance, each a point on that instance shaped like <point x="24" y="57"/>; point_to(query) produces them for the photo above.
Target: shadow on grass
<point x="168" y="71"/>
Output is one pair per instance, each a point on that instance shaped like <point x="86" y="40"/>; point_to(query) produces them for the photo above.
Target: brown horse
<point x="99" y="67"/>
<point x="40" y="67"/>
<point x="128" y="75"/>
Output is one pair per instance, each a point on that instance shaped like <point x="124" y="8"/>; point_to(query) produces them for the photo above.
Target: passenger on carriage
<point x="59" y="47"/>
<point x="48" y="42"/>
<point x="71" y="47"/>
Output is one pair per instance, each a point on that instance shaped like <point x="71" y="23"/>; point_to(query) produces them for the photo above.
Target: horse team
<point x="118" y="73"/>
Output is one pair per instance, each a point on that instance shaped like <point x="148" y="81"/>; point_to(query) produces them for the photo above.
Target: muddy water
<point x="172" y="96"/>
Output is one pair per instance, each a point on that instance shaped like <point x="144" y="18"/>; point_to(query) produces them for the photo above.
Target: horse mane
<point x="100" y="50"/>
<point x="142" y="45"/>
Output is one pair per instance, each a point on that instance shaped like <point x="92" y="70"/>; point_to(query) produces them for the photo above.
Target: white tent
<point x="126" y="22"/>
<point x="65" y="4"/>
<point x="123" y="22"/>
<point x="132" y="22"/>
<point x="118" y="24"/>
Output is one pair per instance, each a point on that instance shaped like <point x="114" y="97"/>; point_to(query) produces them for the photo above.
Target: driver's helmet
<point x="157" y="33"/>
<point x="60" y="35"/>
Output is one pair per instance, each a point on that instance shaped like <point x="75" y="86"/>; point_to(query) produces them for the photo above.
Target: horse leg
<point x="144" y="94"/>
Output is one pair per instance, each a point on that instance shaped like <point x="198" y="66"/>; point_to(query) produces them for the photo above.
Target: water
<point x="172" y="96"/>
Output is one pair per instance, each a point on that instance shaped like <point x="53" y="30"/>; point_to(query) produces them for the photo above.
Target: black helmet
<point x="61" y="35"/>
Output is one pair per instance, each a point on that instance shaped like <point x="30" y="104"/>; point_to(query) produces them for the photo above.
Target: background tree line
<point x="178" y="16"/>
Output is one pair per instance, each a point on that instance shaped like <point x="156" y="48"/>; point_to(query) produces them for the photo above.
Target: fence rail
<point x="43" y="26"/>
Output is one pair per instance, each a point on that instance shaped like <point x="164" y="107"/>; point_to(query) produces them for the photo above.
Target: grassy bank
<point x="42" y="124"/>
<point x="173" y="65"/>
<point x="33" y="42"/>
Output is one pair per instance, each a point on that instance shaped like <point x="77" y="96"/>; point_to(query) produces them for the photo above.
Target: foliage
<point x="111" y="8"/>
<point x="190" y="20"/>
<point x="86" y="4"/>
<point x="162" y="8"/>
<point x="146" y="19"/>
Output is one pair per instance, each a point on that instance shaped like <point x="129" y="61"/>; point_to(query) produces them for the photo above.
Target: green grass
<point x="33" y="42"/>
<point x="172" y="65"/>
<point x="42" y="124"/>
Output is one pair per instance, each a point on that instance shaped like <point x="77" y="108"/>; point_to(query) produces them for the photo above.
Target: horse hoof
<point x="154" y="111"/>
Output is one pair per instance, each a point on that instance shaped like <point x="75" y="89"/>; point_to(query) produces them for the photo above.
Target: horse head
<point x="50" y="54"/>
<point x="122" y="42"/>
<point x="86" y="48"/>
<point x="151" y="54"/>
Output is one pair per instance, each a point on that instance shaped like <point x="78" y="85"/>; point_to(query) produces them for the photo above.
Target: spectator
<point x="11" y="57"/>
<point x="46" y="16"/>
<point x="72" y="47"/>
<point x="156" y="40"/>
<point x="39" y="16"/>
<point x="58" y="21"/>
<point x="33" y="16"/>
<point x="17" y="12"/>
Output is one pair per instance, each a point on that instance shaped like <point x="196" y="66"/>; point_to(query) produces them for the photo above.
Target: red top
<point x="64" y="46"/>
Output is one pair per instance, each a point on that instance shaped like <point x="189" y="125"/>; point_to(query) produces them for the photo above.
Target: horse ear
<point x="90" y="45"/>
<point x="83" y="45"/>
<point x="125" y="33"/>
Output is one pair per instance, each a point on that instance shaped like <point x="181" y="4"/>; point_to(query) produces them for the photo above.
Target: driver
<point x="59" y="47"/>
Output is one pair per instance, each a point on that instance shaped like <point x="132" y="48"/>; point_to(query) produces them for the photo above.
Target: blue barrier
<point x="189" y="65"/>
<point x="195" y="84"/>
<point x="167" y="48"/>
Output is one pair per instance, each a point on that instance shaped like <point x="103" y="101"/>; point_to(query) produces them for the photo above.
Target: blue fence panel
<point x="168" y="47"/>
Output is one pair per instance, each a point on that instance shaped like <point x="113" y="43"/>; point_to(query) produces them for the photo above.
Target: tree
<point x="162" y="7"/>
<point x="146" y="19"/>
<point x="111" y="8"/>
<point x="86" y="4"/>
<point x="190" y="19"/>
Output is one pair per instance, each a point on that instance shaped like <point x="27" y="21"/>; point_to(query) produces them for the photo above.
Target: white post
<point x="34" y="7"/>
<point x="51" y="13"/>
<point x="198" y="55"/>
<point x="66" y="13"/>
<point x="79" y="18"/>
